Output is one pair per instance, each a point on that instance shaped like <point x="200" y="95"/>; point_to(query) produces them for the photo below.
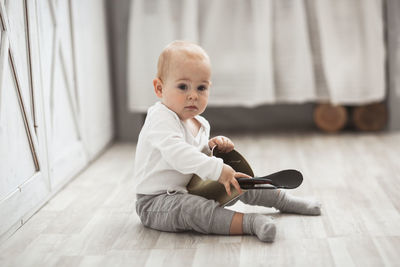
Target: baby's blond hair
<point x="188" y="49"/>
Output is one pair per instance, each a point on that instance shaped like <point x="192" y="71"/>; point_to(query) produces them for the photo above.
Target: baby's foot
<point x="261" y="226"/>
<point x="292" y="204"/>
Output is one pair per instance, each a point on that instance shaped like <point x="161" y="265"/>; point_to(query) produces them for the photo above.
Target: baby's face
<point x="186" y="87"/>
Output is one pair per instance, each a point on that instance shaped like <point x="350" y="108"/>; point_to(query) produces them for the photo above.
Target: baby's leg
<point x="182" y="212"/>
<point x="282" y="201"/>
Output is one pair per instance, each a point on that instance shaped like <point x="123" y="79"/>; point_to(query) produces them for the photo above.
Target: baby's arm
<point x="224" y="144"/>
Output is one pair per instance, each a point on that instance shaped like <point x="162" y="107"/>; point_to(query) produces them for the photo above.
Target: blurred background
<point x="274" y="62"/>
<point x="76" y="76"/>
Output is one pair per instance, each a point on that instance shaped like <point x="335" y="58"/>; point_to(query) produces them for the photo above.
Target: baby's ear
<point x="157" y="83"/>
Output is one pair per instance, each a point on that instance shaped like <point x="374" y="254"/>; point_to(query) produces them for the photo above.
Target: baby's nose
<point x="192" y="94"/>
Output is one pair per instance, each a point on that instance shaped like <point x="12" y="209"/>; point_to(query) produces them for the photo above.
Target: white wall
<point x="55" y="99"/>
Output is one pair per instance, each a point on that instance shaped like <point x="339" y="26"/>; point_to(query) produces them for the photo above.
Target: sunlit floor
<point x="92" y="221"/>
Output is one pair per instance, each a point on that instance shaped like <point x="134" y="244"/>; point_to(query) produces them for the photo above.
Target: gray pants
<point x="186" y="212"/>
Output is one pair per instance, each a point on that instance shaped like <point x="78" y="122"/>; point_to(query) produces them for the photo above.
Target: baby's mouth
<point x="191" y="107"/>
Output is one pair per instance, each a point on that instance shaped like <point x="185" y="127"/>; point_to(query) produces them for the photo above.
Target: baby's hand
<point x="228" y="176"/>
<point x="224" y="144"/>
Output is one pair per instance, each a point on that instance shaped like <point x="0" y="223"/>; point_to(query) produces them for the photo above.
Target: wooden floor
<point x="92" y="221"/>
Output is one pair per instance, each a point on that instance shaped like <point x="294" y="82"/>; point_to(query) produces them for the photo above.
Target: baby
<point x="173" y="145"/>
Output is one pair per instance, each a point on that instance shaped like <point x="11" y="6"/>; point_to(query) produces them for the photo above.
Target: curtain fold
<point x="352" y="48"/>
<point x="265" y="51"/>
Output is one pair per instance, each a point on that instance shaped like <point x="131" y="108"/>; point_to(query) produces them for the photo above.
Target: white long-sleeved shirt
<point x="167" y="154"/>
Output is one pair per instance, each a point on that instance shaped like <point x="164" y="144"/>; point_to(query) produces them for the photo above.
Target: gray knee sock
<point x="260" y="225"/>
<point x="282" y="201"/>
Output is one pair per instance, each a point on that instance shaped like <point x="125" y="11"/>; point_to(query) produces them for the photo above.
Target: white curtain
<point x="265" y="51"/>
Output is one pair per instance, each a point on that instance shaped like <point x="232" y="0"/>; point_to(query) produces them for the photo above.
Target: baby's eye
<point x="182" y="86"/>
<point x="202" y="88"/>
